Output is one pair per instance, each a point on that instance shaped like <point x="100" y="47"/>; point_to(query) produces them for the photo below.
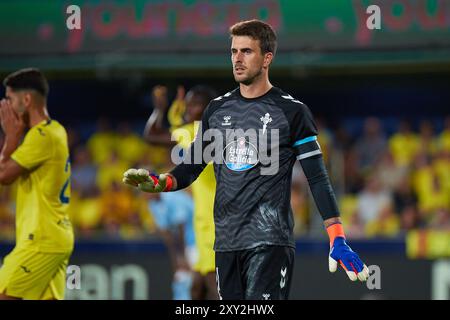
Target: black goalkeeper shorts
<point x="262" y="273"/>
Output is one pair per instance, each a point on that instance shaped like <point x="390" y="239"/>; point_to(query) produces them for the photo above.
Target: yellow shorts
<point x="33" y="275"/>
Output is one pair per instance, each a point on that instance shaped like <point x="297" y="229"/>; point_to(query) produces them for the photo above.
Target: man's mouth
<point x="239" y="70"/>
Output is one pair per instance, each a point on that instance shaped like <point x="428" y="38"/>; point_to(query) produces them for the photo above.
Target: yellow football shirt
<point x="404" y="148"/>
<point x="43" y="192"/>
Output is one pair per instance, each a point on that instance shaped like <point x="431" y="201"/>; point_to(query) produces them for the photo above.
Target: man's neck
<point x="38" y="116"/>
<point x="255" y="89"/>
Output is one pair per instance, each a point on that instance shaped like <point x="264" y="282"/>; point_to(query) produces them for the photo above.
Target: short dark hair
<point x="257" y="30"/>
<point x="27" y="79"/>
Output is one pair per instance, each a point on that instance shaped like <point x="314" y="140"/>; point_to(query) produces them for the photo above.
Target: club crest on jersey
<point x="240" y="155"/>
<point x="265" y="120"/>
<point x="226" y="120"/>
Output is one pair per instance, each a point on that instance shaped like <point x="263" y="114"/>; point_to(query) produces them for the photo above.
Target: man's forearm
<point x="323" y="194"/>
<point x="9" y="146"/>
<point x="154" y="123"/>
<point x="154" y="131"/>
<point x="185" y="174"/>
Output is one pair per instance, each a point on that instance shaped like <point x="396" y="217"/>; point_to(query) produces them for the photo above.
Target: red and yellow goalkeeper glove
<point x="147" y="182"/>
<point x="342" y="253"/>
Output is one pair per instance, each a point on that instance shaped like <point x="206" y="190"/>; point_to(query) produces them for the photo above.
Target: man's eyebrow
<point x="242" y="49"/>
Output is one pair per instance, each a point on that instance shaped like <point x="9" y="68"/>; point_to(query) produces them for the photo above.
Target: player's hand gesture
<point x="341" y="253"/>
<point x="348" y="259"/>
<point x="12" y="124"/>
<point x="147" y="182"/>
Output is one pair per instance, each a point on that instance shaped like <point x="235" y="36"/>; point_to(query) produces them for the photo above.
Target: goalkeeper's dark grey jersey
<point x="255" y="143"/>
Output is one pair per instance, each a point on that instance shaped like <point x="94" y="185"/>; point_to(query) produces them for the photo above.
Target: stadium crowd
<point x="385" y="184"/>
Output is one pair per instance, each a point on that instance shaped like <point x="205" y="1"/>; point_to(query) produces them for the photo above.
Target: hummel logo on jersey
<point x="289" y="97"/>
<point x="283" y="277"/>
<point x="224" y="96"/>
<point x="218" y="284"/>
<point x="25" y="269"/>
<point x="265" y="120"/>
<point x="227" y="121"/>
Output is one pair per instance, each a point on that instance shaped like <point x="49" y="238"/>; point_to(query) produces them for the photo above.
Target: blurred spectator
<point x="325" y="139"/>
<point x="372" y="201"/>
<point x="110" y="171"/>
<point x="389" y="173"/>
<point x="299" y="203"/>
<point x="410" y="218"/>
<point x="73" y="139"/>
<point x="354" y="180"/>
<point x="441" y="220"/>
<point x="404" y="196"/>
<point x="387" y="224"/>
<point x="342" y="138"/>
<point x="85" y="215"/>
<point x="354" y="227"/>
<point x="404" y="145"/>
<point x="120" y="210"/>
<point x="444" y="138"/>
<point x="370" y="147"/>
<point x="129" y="146"/>
<point x="428" y="143"/>
<point x="430" y="190"/>
<point x="84" y="173"/>
<point x="441" y="166"/>
<point x="405" y="205"/>
<point x="101" y="143"/>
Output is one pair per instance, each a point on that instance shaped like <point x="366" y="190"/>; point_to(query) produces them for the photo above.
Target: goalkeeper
<point x="254" y="241"/>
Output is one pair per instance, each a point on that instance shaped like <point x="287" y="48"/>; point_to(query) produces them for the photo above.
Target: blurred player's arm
<point x="155" y="132"/>
<point x="13" y="127"/>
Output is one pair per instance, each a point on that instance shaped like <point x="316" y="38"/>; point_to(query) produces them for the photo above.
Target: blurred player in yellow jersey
<point x="186" y="111"/>
<point x="36" y="267"/>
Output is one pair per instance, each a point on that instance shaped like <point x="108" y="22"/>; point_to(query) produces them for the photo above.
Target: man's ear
<point x="26" y="98"/>
<point x="267" y="59"/>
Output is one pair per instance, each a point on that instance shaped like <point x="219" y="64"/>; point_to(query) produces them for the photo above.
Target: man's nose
<point x="238" y="57"/>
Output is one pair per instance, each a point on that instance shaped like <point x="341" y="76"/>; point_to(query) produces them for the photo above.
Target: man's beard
<point x="23" y="113"/>
<point x="249" y="79"/>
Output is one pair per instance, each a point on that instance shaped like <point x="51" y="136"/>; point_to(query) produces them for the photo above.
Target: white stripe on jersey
<point x="308" y="154"/>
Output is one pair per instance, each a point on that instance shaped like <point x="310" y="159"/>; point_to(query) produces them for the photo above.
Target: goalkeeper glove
<point x="342" y="253"/>
<point x="147" y="182"/>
